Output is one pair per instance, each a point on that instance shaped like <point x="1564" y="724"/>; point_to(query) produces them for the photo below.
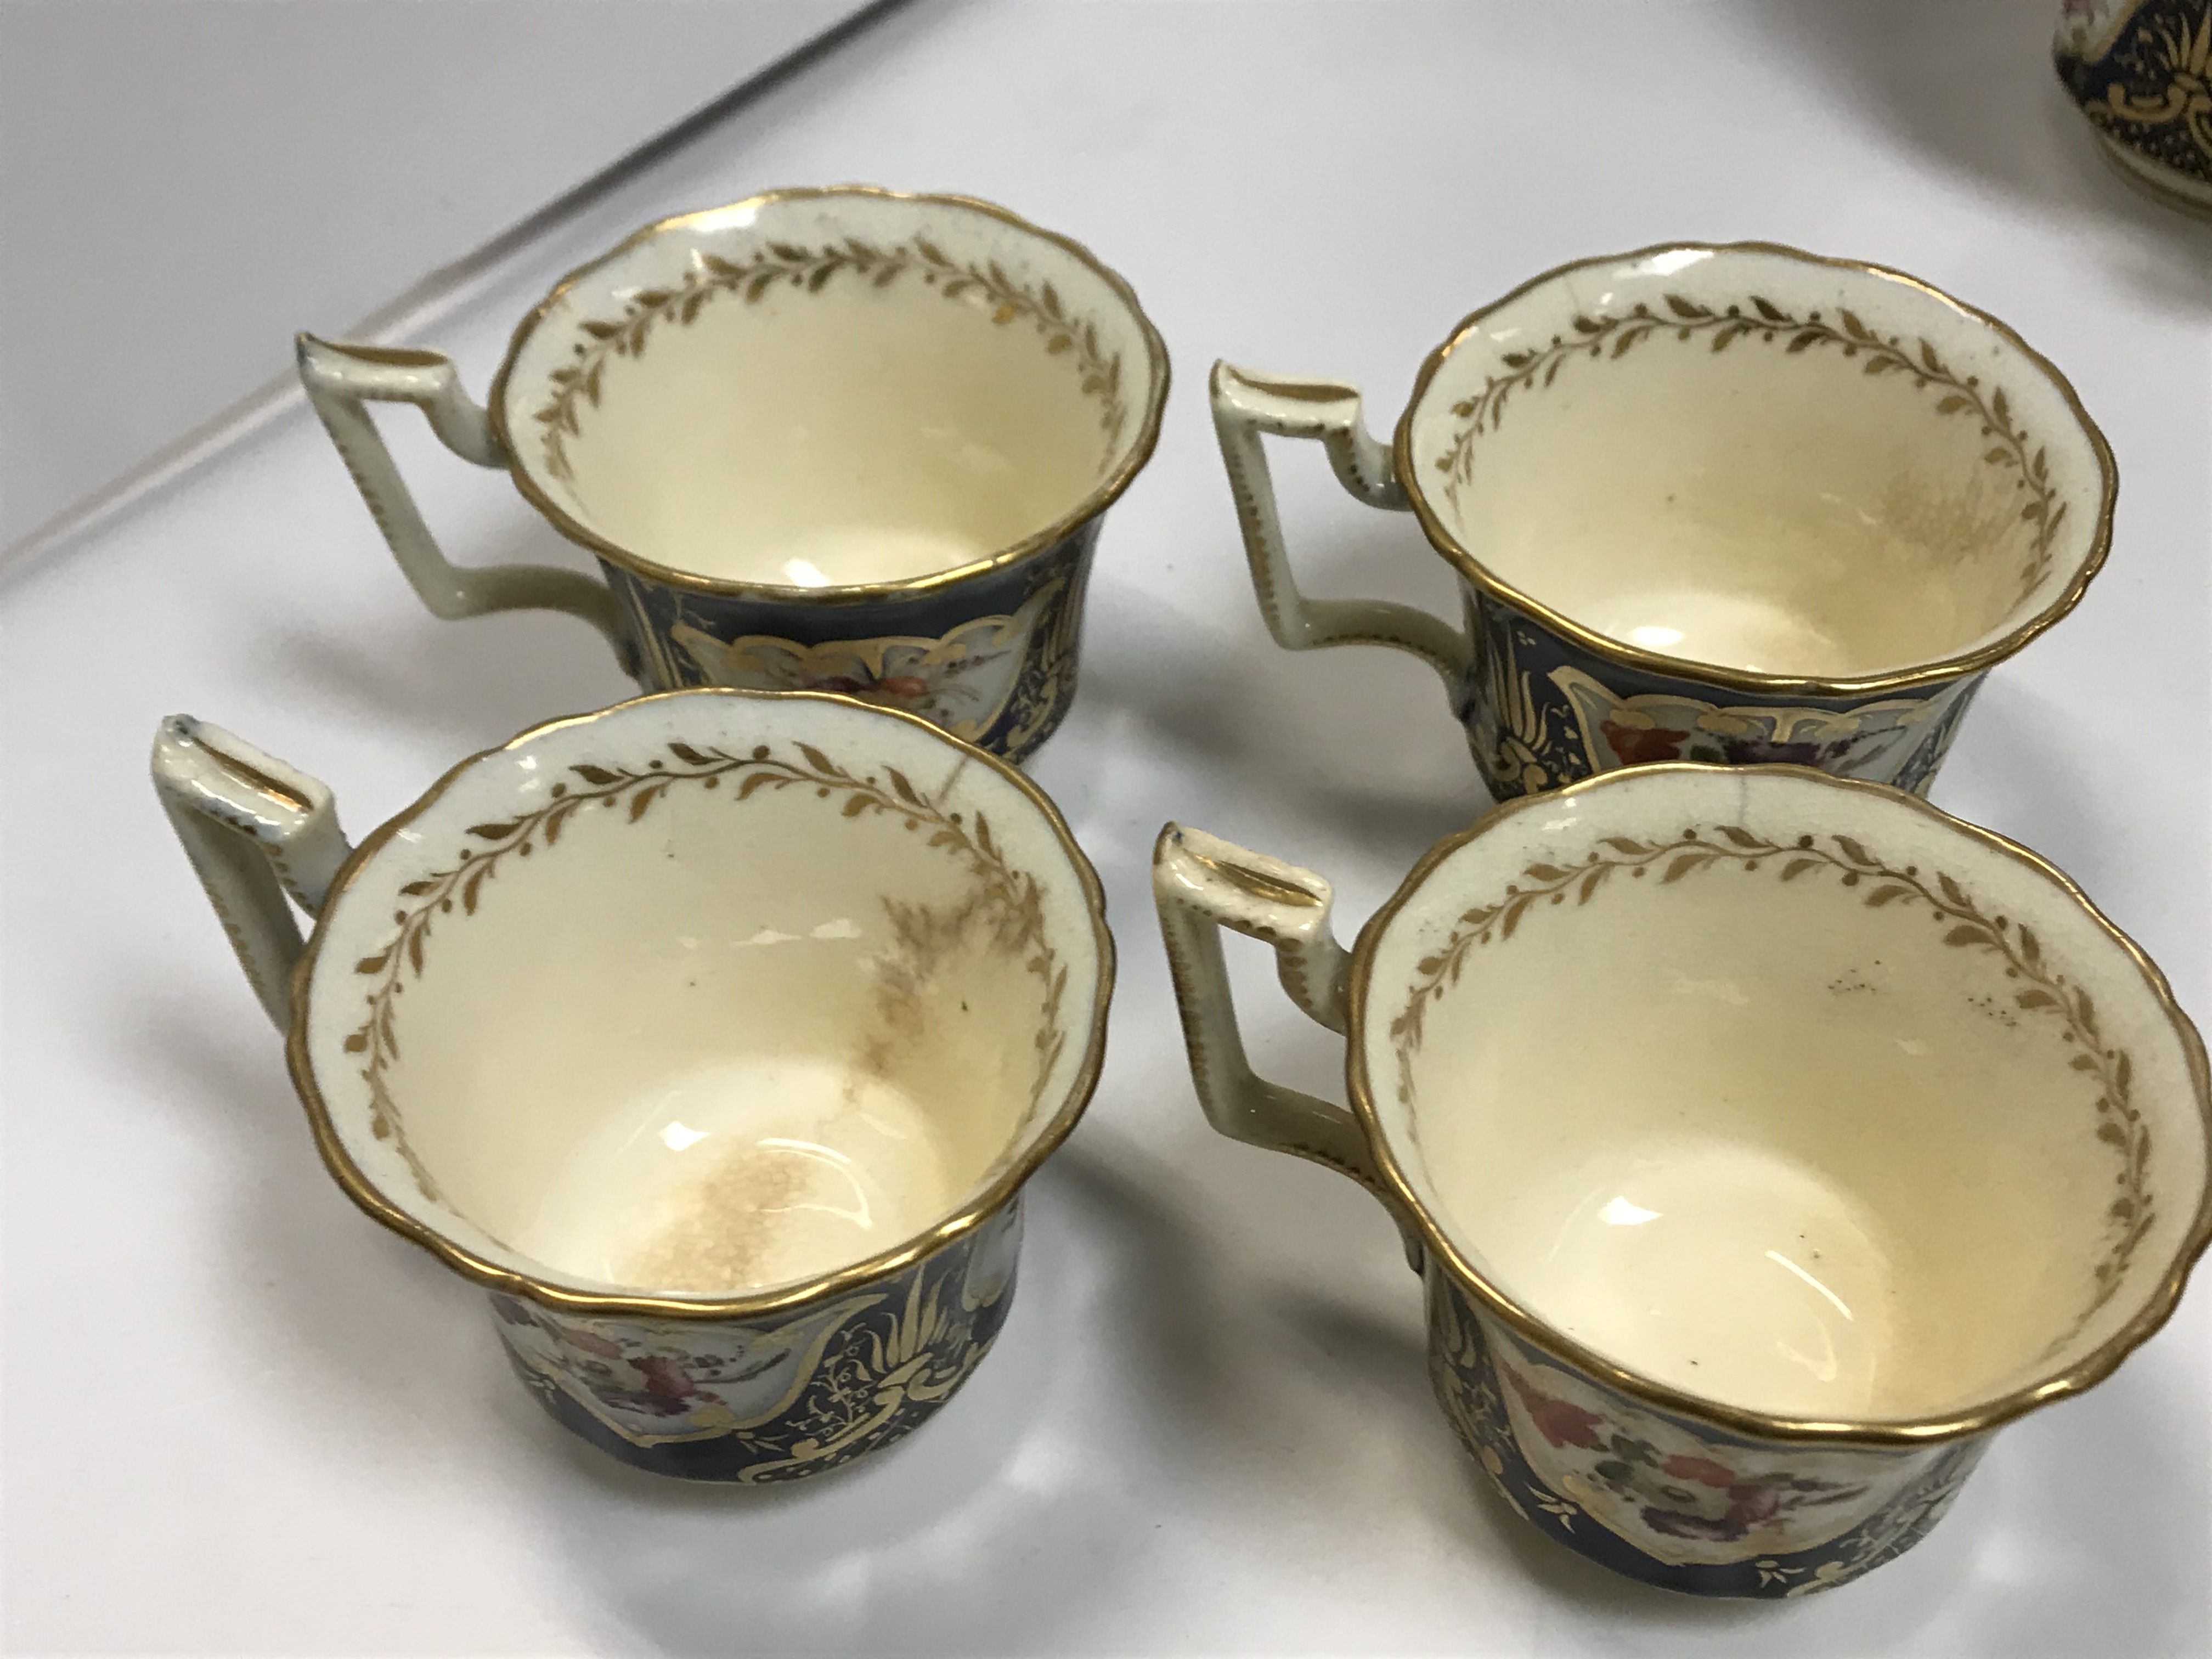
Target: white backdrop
<point x="185" y="183"/>
<point x="240" y="1419"/>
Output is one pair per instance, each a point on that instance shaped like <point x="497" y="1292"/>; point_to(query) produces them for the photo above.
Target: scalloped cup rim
<point x="561" y="1291"/>
<point x="2151" y="1312"/>
<point x="1133" y="452"/>
<point x="1642" y="659"/>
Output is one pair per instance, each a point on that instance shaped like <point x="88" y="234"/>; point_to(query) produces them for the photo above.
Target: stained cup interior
<point x="825" y="388"/>
<point x="1786" y="1093"/>
<point x="1754" y="459"/>
<point x="707" y="995"/>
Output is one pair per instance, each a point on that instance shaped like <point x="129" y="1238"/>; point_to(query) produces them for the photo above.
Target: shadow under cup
<point x="1776" y="1140"/>
<point x="842" y="440"/>
<point x="717" y="1036"/>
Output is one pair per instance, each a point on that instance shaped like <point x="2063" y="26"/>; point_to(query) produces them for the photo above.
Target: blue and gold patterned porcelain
<point x="1732" y="504"/>
<point x="782" y="1397"/>
<point x="991" y="659"/>
<point x="2140" y="72"/>
<point x="715" y="1034"/>
<point x="1766" y="1140"/>
<point x="837" y="439"/>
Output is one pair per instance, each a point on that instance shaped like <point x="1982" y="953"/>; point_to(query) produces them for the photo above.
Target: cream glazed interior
<point x="831" y="387"/>
<point x="1750" y="459"/>
<point x="1787" y="1093"/>
<point x="707" y="994"/>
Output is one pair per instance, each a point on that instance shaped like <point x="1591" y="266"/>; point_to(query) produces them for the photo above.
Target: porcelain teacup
<point x="1735" y="504"/>
<point x="715" y="1034"/>
<point x="2137" y="70"/>
<point x="838" y="439"/>
<point x="1765" y="1141"/>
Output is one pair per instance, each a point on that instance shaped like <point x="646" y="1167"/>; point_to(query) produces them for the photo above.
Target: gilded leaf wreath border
<point x="968" y="838"/>
<point x="811" y="269"/>
<point x="2045" y="991"/>
<point x="1612" y="337"/>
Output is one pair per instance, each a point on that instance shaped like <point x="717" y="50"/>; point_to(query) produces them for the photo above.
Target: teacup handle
<point x="255" y="829"/>
<point x="1246" y="405"/>
<point x="1201" y="884"/>
<point x="341" y="380"/>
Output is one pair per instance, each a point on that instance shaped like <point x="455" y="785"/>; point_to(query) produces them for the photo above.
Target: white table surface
<point x="241" y="1419"/>
<point x="184" y="182"/>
